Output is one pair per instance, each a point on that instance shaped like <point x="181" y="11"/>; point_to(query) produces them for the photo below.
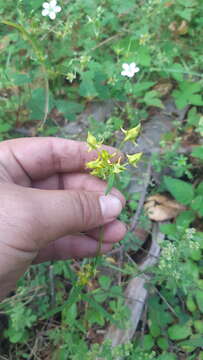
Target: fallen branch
<point x="136" y="293"/>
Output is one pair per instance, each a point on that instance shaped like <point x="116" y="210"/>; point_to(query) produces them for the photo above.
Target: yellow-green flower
<point x="134" y="159"/>
<point x="117" y="167"/>
<point x="102" y="166"/>
<point x="131" y="134"/>
<point x="92" y="142"/>
<point x="86" y="274"/>
<point x="94" y="164"/>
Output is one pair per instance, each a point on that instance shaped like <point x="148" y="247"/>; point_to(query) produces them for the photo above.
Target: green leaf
<point x="143" y="57"/>
<point x="69" y="314"/>
<point x="99" y="308"/>
<point x="199" y="189"/>
<point x="186" y="94"/>
<point x="168" y="229"/>
<point x="198" y="324"/>
<point x="151" y="99"/>
<point x="100" y="296"/>
<point x="195" y="254"/>
<point x="139" y="88"/>
<point x="69" y="108"/>
<point x="105" y="282"/>
<point x="87" y="87"/>
<point x="198" y="236"/>
<point x="191" y="303"/>
<point x="196" y="341"/>
<point x="110" y="183"/>
<point x="199" y="299"/>
<point x="37" y="103"/>
<point x="148" y="342"/>
<point x="95" y="317"/>
<point x="198" y="152"/>
<point x="197" y="204"/>
<point x="182" y="191"/>
<point x="177" y="71"/>
<point x="185" y="218"/>
<point x="193" y="117"/>
<point x="20" y="78"/>
<point x="4" y="127"/>
<point x="155" y="330"/>
<point x="163" y="343"/>
<point x="179" y="332"/>
<point x="74" y="296"/>
<point x="196" y="100"/>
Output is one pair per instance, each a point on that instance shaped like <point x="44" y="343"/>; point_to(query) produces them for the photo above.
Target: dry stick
<point x="136" y="290"/>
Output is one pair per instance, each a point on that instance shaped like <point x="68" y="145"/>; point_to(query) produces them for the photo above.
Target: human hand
<point x="51" y="208"/>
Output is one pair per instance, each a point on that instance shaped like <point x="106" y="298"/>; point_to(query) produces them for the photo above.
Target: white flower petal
<point x="53" y="3"/>
<point x="124" y="73"/>
<point x="45" y="5"/>
<point x="129" y="70"/>
<point x="57" y="9"/>
<point x="52" y="15"/>
<point x="125" y="66"/>
<point x="132" y="65"/>
<point x="45" y="12"/>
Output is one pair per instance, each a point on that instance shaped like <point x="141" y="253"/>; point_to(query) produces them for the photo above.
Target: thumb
<point x="61" y="212"/>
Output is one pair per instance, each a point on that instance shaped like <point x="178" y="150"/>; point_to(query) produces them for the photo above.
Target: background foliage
<point x="50" y="71"/>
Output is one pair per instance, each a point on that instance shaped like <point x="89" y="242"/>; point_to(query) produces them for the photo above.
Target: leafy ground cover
<point x="54" y="65"/>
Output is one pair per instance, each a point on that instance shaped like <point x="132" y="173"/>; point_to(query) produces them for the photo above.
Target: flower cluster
<point x="129" y="70"/>
<point x="131" y="134"/>
<point x="50" y="9"/>
<point x="189" y="233"/>
<point x="92" y="142"/>
<point x="144" y="38"/>
<point x="167" y="256"/>
<point x="86" y="274"/>
<point x="105" y="166"/>
<point x="169" y="260"/>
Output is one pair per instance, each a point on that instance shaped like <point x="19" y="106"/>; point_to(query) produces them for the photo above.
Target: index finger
<point x="37" y="158"/>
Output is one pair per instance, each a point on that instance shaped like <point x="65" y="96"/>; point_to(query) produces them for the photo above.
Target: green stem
<point x="39" y="54"/>
<point x="101" y="240"/>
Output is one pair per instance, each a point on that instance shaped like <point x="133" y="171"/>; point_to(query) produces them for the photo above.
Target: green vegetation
<point x="50" y="72"/>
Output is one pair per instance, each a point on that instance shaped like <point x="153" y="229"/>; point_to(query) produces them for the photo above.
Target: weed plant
<point x="56" y="59"/>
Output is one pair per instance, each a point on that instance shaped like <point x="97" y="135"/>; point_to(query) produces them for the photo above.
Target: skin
<point x="51" y="207"/>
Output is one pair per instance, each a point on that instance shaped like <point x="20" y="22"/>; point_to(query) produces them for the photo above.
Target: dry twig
<point x="136" y="293"/>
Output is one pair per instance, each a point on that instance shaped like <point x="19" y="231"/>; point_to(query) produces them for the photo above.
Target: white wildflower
<point x="129" y="70"/>
<point x="194" y="245"/>
<point x="190" y="233"/>
<point x="51" y="9"/>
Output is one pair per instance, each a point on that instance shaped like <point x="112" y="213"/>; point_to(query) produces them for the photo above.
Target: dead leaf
<point x="168" y="3"/>
<point x="173" y="26"/>
<point x="182" y="28"/>
<point x="179" y="28"/>
<point x="163" y="88"/>
<point x="161" y="208"/>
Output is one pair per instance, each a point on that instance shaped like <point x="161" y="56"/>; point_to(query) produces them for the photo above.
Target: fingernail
<point x="110" y="206"/>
